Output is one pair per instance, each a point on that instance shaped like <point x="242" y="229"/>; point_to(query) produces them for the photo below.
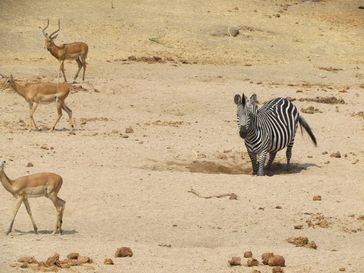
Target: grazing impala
<point x="73" y="51"/>
<point x="35" y="185"/>
<point x="42" y="93"/>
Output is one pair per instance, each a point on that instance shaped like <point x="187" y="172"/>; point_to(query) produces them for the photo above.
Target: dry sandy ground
<point x="134" y="191"/>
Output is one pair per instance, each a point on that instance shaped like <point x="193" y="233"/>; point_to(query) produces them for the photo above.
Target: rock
<point x="276" y="260"/>
<point x="312" y="245"/>
<point x="317" y="198"/>
<point x="298" y="227"/>
<point x="233" y="196"/>
<point x="44" y="147"/>
<point x="324" y="224"/>
<point x="256" y="271"/>
<point x="235" y="261"/>
<point x="108" y="261"/>
<point x="221" y="31"/>
<point x="336" y="155"/>
<point x="129" y="130"/>
<point x="298" y="241"/>
<point x="361" y="217"/>
<point x="124" y="136"/>
<point x="30" y="164"/>
<point x="53" y="260"/>
<point x="73" y="255"/>
<point x="84" y="259"/>
<point x="266" y="256"/>
<point x="252" y="262"/>
<point x="342" y="269"/>
<point x="277" y="269"/>
<point x="27" y="259"/>
<point x="124" y="252"/>
<point x="24" y="265"/>
<point x="248" y="254"/>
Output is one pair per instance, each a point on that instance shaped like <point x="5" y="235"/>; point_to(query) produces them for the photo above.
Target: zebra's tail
<point x="305" y="125"/>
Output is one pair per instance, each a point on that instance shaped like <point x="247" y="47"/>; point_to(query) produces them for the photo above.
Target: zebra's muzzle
<point x="243" y="133"/>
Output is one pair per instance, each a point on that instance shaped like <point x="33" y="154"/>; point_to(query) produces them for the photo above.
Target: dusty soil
<point x="170" y="71"/>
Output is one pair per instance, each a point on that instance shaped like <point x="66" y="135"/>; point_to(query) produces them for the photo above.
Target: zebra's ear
<point x="237" y="99"/>
<point x="253" y="98"/>
<point x="243" y="100"/>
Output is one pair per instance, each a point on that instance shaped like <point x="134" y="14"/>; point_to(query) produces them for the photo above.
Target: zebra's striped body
<point x="268" y="129"/>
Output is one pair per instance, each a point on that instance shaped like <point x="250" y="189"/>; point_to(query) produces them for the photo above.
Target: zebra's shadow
<point x="64" y="232"/>
<point x="281" y="168"/>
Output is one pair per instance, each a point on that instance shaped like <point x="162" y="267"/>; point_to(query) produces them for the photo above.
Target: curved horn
<point x="59" y="28"/>
<point x="43" y="29"/>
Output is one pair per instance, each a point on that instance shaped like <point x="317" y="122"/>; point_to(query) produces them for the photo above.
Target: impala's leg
<point x="33" y="106"/>
<point x="59" y="112"/>
<point x="83" y="59"/>
<point x="62" y="203"/>
<point x="262" y="157"/>
<point x="17" y="206"/>
<point x="59" y="209"/>
<point x="79" y="68"/>
<point x="253" y="159"/>
<point x="272" y="155"/>
<point x="27" y="206"/>
<point x="62" y="69"/>
<point x="69" y="112"/>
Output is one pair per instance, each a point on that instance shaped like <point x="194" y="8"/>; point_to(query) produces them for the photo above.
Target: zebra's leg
<point x="272" y="155"/>
<point x="289" y="154"/>
<point x="253" y="159"/>
<point x="262" y="157"/>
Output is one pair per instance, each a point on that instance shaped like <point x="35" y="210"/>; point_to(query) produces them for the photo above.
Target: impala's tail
<point x="305" y="125"/>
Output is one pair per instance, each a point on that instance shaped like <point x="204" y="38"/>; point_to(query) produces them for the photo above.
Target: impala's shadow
<point x="64" y="232"/>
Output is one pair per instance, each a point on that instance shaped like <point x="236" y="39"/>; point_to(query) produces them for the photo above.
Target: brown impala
<point x="73" y="51"/>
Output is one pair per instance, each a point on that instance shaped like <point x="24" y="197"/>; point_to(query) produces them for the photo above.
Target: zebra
<point x="268" y="129"/>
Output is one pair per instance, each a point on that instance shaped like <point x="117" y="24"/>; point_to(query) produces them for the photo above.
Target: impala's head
<point x="7" y="81"/>
<point x="49" y="38"/>
<point x="2" y="165"/>
<point x="245" y="107"/>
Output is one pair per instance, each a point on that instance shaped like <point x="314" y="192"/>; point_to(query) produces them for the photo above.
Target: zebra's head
<point x="245" y="107"/>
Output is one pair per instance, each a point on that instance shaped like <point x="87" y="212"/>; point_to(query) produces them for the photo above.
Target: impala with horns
<point x="34" y="185"/>
<point x="42" y="93"/>
<point x="73" y="51"/>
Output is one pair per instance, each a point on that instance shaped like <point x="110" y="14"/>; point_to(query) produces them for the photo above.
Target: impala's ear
<point x="253" y="98"/>
<point x="243" y="100"/>
<point x="237" y="99"/>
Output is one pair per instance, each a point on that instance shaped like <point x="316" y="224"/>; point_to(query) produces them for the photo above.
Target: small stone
<point x="298" y="241"/>
<point x="312" y="245"/>
<point x="317" y="198"/>
<point x="248" y="254"/>
<point x="30" y="164"/>
<point x="129" y="130"/>
<point x="336" y="155"/>
<point x="27" y="259"/>
<point x="108" y="261"/>
<point x="342" y="269"/>
<point x="84" y="259"/>
<point x="124" y="136"/>
<point x="233" y="196"/>
<point x="276" y="260"/>
<point x="256" y="271"/>
<point x="73" y="255"/>
<point x="235" y="261"/>
<point x="252" y="262"/>
<point x="266" y="256"/>
<point x="298" y="227"/>
<point x="278" y="207"/>
<point x="324" y="224"/>
<point x="124" y="252"/>
<point x="277" y="269"/>
<point x="53" y="260"/>
<point x="325" y="153"/>
<point x="24" y="265"/>
<point x="44" y="147"/>
<point x="361" y="217"/>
